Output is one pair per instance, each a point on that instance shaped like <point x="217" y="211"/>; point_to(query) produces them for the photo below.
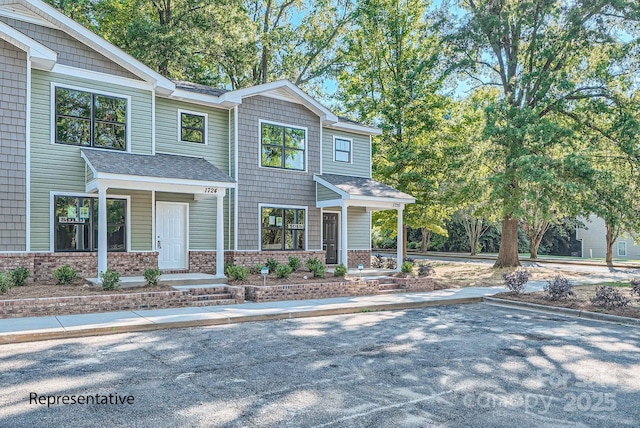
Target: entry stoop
<point x="208" y="294"/>
<point x="171" y="279"/>
<point x="389" y="288"/>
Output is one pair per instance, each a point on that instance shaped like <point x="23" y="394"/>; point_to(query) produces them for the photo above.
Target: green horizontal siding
<point x="59" y="168"/>
<point x="359" y="233"/>
<point x="325" y="194"/>
<point x="360" y="153"/>
<point x="215" y="151"/>
<point x="141" y="218"/>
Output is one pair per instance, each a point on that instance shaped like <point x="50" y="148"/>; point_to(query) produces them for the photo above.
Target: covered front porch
<point x="187" y="178"/>
<point x="347" y="203"/>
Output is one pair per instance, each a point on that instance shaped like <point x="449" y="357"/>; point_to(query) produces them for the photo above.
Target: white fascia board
<point x="94" y="41"/>
<point x="306" y="100"/>
<point x="41" y="56"/>
<point x="355" y="128"/>
<point x="107" y="177"/>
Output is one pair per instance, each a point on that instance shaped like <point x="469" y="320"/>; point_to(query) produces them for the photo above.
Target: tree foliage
<point x="556" y="65"/>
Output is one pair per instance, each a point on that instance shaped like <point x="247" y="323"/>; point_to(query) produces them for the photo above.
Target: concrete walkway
<point x="67" y="326"/>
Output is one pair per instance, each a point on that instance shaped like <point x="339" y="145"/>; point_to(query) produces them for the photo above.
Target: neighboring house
<point x="594" y="243"/>
<point x="106" y="163"/>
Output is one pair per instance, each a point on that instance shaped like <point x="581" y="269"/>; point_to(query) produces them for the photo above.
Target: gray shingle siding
<point x="13" y="84"/>
<point x="70" y="51"/>
<point x="266" y="186"/>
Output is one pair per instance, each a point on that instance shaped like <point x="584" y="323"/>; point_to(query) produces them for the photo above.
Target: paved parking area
<point x="468" y="365"/>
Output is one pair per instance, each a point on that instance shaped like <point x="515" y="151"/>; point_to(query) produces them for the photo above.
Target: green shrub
<point x="237" y="273"/>
<point x="340" y="271"/>
<point x="294" y="263"/>
<point x="152" y="276"/>
<point x="283" y="271"/>
<point x="6" y="282"/>
<point x="65" y="274"/>
<point x="609" y="297"/>
<point x="407" y="267"/>
<point x="110" y="279"/>
<point x="413" y="245"/>
<point x="255" y="269"/>
<point x="19" y="276"/>
<point x="272" y="264"/>
<point x="316" y="267"/>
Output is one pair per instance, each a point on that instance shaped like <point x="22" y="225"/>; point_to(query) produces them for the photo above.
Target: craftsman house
<point x="106" y="163"/>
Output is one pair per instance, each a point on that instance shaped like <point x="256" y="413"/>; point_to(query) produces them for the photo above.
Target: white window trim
<point x="350" y="140"/>
<point x="293" y="207"/>
<point x="128" y="125"/>
<point x="618" y="248"/>
<point x="286" y="125"/>
<point x="52" y="223"/>
<point x="193" y="113"/>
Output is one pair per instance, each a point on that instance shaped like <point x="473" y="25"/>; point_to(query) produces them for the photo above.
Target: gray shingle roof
<point x="358" y="186"/>
<point x="158" y="165"/>
<point x="201" y="89"/>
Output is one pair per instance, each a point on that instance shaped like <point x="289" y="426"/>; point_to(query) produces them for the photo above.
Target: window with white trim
<point x="193" y="127"/>
<point x="90" y="119"/>
<point x="282" y="146"/>
<point x="622" y="248"/>
<point x="283" y="229"/>
<point x="342" y="149"/>
<point x="76" y="224"/>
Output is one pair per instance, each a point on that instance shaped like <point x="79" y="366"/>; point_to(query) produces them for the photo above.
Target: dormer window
<point x="193" y="127"/>
<point x="283" y="146"/>
<point x="90" y="120"/>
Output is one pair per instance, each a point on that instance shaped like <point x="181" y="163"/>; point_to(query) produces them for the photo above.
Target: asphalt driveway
<point x="467" y="365"/>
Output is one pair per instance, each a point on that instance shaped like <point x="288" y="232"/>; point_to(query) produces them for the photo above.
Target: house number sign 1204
<point x="210" y="190"/>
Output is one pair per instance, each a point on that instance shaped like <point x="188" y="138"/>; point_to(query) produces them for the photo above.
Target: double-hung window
<point x="622" y="248"/>
<point x="193" y="127"/>
<point x="283" y="229"/>
<point x="90" y="120"/>
<point x="283" y="147"/>
<point x="76" y="224"/>
<point x="342" y="150"/>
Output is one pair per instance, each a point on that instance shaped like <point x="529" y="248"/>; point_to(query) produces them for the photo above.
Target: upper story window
<point x="91" y="120"/>
<point x="342" y="150"/>
<point x="193" y="127"/>
<point x="283" y="146"/>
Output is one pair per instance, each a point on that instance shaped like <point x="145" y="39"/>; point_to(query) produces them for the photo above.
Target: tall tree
<point x="392" y="79"/>
<point x="545" y="57"/>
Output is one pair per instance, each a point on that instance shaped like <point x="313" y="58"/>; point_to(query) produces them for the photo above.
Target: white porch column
<point x="344" y="253"/>
<point x="220" y="233"/>
<point x="400" y="242"/>
<point x="102" y="230"/>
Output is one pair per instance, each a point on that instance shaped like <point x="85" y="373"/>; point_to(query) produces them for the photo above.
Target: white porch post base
<point x="400" y="241"/>
<point x="220" y="234"/>
<point x="344" y="253"/>
<point x="102" y="231"/>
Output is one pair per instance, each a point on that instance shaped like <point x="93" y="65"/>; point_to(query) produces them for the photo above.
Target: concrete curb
<point x="562" y="311"/>
<point x="80" y="332"/>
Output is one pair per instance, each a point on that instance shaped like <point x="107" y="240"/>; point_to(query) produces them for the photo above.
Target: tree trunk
<point x="508" y="254"/>
<point x="610" y="238"/>
<point x="426" y="238"/>
<point x="533" y="249"/>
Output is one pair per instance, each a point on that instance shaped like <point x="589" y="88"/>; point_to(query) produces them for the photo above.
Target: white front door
<point x="171" y="231"/>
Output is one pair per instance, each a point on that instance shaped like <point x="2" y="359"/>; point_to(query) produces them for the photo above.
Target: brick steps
<point x="217" y="296"/>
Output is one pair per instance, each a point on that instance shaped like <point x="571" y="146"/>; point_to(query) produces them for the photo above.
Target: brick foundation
<point x="252" y="258"/>
<point x="202" y="262"/>
<point x="42" y="265"/>
<point x="320" y="290"/>
<point x="111" y="302"/>
<point x="359" y="256"/>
